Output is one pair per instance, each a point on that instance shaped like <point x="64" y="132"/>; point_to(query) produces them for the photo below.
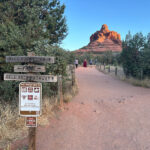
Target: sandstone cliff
<point x="103" y="40"/>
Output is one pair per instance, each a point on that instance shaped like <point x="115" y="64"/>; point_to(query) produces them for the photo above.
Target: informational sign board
<point x="30" y="59"/>
<point x="30" y="77"/>
<point x="31" y="121"/>
<point x="30" y="99"/>
<point x="29" y="68"/>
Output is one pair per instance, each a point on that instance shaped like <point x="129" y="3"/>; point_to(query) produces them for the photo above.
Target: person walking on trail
<point x="95" y="61"/>
<point x="91" y="62"/>
<point x="76" y="63"/>
<point x="85" y="63"/>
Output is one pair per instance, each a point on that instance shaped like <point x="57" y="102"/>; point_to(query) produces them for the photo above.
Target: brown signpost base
<point x="32" y="139"/>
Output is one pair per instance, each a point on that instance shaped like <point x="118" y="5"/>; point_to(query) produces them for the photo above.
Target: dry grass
<point x="143" y="83"/>
<point x="12" y="127"/>
<point x="48" y="106"/>
<point x="120" y="75"/>
<point x="70" y="93"/>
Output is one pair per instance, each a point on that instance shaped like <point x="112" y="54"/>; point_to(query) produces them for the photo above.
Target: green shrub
<point x="135" y="57"/>
<point x="9" y="90"/>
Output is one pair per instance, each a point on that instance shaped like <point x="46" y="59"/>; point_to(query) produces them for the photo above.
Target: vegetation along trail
<point x="107" y="114"/>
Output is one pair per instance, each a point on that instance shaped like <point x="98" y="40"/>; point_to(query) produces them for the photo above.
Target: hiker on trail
<point x="95" y="61"/>
<point x="85" y="63"/>
<point x="91" y="62"/>
<point x="76" y="63"/>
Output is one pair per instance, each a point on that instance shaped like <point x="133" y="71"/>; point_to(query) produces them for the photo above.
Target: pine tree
<point x="135" y="56"/>
<point x="26" y="23"/>
<point x="128" y="37"/>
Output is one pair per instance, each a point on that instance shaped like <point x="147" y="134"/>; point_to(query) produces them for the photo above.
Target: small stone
<point x="96" y="111"/>
<point x="82" y="103"/>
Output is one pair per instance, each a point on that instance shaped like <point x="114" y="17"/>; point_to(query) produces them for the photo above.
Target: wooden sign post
<point x="32" y="131"/>
<point x="30" y="93"/>
<point x="30" y="59"/>
<point x="32" y="138"/>
<point x="30" y="77"/>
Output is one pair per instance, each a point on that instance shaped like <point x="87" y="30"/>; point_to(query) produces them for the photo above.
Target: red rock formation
<point x="103" y="40"/>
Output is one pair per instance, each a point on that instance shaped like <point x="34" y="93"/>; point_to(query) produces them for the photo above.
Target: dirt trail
<point x="107" y="114"/>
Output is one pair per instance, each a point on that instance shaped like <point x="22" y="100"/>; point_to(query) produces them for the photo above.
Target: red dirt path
<point x="107" y="114"/>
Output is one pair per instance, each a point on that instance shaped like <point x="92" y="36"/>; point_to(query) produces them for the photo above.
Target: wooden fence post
<point x="116" y="70"/>
<point x="60" y="94"/>
<point x="109" y="68"/>
<point x="141" y="74"/>
<point x="73" y="75"/>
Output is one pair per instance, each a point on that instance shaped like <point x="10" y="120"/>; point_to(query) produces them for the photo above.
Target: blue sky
<point x="84" y="17"/>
